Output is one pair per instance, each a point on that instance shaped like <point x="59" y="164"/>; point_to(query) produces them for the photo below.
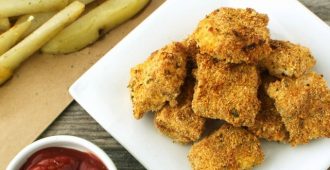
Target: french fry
<point x="4" y="24"/>
<point x="10" y="60"/>
<point x="83" y="1"/>
<point x="14" y="34"/>
<point x="9" y="8"/>
<point x="39" y="19"/>
<point x="91" y="26"/>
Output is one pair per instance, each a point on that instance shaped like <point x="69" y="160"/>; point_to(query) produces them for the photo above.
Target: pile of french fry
<point x="55" y="26"/>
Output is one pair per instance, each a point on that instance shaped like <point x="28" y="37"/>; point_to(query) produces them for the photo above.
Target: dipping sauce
<point x="57" y="158"/>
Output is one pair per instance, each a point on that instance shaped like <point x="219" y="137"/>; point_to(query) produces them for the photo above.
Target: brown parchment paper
<point x="38" y="92"/>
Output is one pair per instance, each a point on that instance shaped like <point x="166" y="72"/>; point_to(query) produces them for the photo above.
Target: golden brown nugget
<point x="158" y="79"/>
<point x="268" y="122"/>
<point x="304" y="104"/>
<point x="180" y="122"/>
<point x="230" y="148"/>
<point x="227" y="92"/>
<point x="234" y="35"/>
<point x="288" y="59"/>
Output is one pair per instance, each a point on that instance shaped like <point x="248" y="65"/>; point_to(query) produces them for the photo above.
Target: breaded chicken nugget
<point x="304" y="104"/>
<point x="227" y="92"/>
<point x="268" y="123"/>
<point x="230" y="148"/>
<point x="179" y="122"/>
<point x="288" y="59"/>
<point x="234" y="35"/>
<point x="158" y="79"/>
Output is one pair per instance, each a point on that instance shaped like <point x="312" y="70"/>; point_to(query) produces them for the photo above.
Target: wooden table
<point x="75" y="120"/>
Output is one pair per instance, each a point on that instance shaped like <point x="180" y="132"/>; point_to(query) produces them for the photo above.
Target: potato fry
<point x="14" y="34"/>
<point x="82" y="1"/>
<point x="39" y="19"/>
<point x="19" y="53"/>
<point x="22" y="7"/>
<point x="91" y="26"/>
<point x="4" y="24"/>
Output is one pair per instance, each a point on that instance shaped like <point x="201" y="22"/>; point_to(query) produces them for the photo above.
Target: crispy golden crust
<point x="268" y="123"/>
<point x="191" y="46"/>
<point x="227" y="92"/>
<point x="192" y="51"/>
<point x="304" y="104"/>
<point x="179" y="122"/>
<point x="288" y="59"/>
<point x="234" y="35"/>
<point x="158" y="79"/>
<point x="230" y="148"/>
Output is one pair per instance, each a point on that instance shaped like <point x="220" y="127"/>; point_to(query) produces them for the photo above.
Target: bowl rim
<point x="72" y="142"/>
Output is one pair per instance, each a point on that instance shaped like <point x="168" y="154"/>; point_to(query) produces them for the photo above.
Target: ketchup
<point x="56" y="158"/>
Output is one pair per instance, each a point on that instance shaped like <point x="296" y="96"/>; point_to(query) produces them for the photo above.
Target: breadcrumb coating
<point x="234" y="35"/>
<point x="268" y="123"/>
<point x="158" y="79"/>
<point x="227" y="92"/>
<point x="230" y="148"/>
<point x="304" y="104"/>
<point x="180" y="122"/>
<point x="288" y="59"/>
<point x="191" y="46"/>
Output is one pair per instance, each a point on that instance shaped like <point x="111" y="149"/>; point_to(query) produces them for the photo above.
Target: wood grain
<point x="75" y="121"/>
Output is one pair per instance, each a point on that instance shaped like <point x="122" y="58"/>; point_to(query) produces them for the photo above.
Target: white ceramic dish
<point x="103" y="92"/>
<point x="60" y="141"/>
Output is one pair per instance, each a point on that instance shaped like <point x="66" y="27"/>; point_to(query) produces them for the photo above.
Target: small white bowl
<point x="60" y="141"/>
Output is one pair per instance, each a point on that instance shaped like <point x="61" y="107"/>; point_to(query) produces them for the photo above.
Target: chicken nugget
<point x="234" y="35"/>
<point x="158" y="79"/>
<point x="304" y="104"/>
<point x="180" y="122"/>
<point x="227" y="92"/>
<point x="268" y="122"/>
<point x="230" y="148"/>
<point x="288" y="59"/>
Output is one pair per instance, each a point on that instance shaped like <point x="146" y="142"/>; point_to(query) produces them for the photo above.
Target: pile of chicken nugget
<point x="229" y="69"/>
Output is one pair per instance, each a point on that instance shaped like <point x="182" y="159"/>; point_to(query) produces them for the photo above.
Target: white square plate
<point x="103" y="91"/>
